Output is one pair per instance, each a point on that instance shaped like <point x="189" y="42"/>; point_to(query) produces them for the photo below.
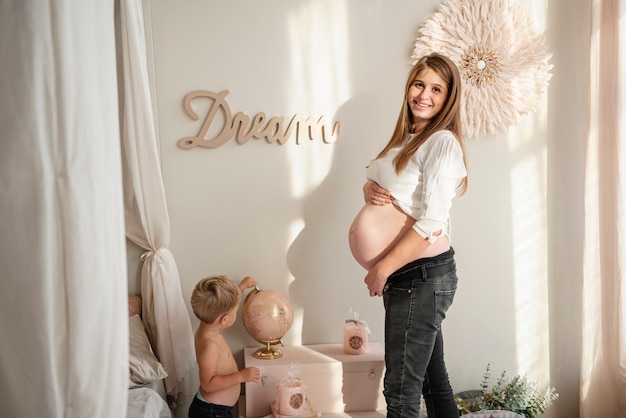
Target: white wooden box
<point x="336" y="382"/>
<point x="362" y="376"/>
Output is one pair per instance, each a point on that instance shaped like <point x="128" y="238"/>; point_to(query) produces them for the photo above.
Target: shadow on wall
<point x="317" y="258"/>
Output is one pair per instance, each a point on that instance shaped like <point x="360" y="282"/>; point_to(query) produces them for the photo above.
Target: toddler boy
<point x="215" y="301"/>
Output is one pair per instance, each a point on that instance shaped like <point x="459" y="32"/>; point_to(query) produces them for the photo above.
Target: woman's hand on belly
<point x="376" y="195"/>
<point x="409" y="247"/>
<point x="376" y="279"/>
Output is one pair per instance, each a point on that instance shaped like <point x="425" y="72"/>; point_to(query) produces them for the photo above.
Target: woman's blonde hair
<point x="214" y="296"/>
<point x="448" y="118"/>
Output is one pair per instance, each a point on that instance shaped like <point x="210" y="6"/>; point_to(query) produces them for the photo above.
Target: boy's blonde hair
<point x="214" y="296"/>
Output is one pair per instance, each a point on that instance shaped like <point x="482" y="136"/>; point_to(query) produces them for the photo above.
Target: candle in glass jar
<point x="355" y="337"/>
<point x="291" y="398"/>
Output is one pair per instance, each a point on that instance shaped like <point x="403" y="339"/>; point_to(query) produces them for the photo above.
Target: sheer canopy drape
<point x="63" y="286"/>
<point x="147" y="221"/>
<point x="603" y="364"/>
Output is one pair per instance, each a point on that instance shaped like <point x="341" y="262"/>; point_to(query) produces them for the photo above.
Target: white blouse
<point x="425" y="188"/>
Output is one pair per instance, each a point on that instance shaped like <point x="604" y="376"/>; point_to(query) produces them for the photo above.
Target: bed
<point x="146" y="390"/>
<point x="146" y="401"/>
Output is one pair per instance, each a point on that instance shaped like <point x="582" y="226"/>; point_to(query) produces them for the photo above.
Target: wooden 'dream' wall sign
<point x="243" y="128"/>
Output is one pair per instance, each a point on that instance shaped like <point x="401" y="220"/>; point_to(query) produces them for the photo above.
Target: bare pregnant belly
<point x="376" y="229"/>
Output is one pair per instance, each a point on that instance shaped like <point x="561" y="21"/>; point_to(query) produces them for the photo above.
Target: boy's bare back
<point x="219" y="375"/>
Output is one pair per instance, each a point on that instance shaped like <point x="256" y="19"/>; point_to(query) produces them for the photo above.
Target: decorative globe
<point x="267" y="316"/>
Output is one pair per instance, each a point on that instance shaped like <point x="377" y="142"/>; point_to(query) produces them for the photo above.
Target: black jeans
<point x="202" y="409"/>
<point x="417" y="297"/>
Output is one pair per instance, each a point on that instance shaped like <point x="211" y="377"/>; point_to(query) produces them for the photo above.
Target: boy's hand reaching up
<point x="247" y="283"/>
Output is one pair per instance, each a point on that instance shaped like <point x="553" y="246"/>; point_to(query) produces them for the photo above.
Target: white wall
<point x="281" y="212"/>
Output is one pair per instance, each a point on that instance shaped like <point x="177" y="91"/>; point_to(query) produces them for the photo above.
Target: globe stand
<point x="269" y="353"/>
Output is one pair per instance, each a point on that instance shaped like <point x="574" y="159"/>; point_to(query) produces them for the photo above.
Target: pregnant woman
<point x="401" y="237"/>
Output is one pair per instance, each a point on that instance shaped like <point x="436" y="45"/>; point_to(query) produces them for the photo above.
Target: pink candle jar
<point x="291" y="397"/>
<point x="355" y="337"/>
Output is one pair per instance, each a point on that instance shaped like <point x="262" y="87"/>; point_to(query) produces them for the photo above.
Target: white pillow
<point x="144" y="366"/>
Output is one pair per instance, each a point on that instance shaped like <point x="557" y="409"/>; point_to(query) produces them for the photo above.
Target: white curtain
<point x="603" y="363"/>
<point x="63" y="285"/>
<point x="147" y="221"/>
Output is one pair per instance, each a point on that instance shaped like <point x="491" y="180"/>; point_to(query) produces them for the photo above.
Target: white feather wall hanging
<point x="501" y="55"/>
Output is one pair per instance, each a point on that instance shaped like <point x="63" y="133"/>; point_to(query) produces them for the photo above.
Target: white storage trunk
<point x="362" y="377"/>
<point x="336" y="382"/>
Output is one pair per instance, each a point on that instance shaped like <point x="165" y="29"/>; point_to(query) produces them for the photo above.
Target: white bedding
<point x="146" y="402"/>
